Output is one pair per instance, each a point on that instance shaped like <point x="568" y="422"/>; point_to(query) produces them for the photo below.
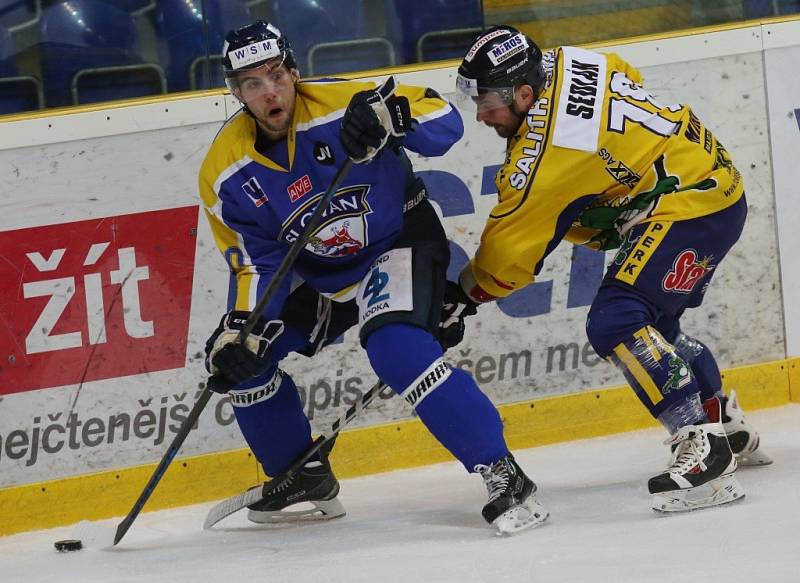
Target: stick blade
<point x="230" y="505"/>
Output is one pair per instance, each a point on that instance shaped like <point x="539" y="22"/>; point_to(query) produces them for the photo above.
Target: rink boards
<point x="111" y="283"/>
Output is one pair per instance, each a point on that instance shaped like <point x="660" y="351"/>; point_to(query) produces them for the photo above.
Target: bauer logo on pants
<point x="96" y="299"/>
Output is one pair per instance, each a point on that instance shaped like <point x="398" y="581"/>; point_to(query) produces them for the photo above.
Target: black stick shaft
<point x="166" y="460"/>
<point x="194" y="414"/>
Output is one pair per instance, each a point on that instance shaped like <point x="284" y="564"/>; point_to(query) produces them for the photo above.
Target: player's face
<point x="502" y="115"/>
<point x="269" y="94"/>
<point x="497" y="116"/>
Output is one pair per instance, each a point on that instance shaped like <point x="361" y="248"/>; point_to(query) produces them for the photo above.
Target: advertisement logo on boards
<point x="95" y="299"/>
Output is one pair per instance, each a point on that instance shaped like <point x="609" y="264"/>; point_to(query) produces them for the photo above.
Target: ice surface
<point x="424" y="525"/>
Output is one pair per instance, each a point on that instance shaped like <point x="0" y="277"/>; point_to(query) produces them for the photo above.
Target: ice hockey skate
<point x="701" y="472"/>
<point x="512" y="504"/>
<point x="314" y="486"/>
<point x="742" y="436"/>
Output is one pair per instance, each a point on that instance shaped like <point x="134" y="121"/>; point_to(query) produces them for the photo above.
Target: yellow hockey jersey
<point x="596" y="155"/>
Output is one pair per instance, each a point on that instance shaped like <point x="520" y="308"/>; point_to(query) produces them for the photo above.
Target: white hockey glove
<point x="231" y="363"/>
<point x="372" y="120"/>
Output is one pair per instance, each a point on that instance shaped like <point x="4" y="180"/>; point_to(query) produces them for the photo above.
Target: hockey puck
<point x="66" y="546"/>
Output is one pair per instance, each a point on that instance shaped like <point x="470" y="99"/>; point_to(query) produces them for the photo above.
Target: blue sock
<point x="448" y="402"/>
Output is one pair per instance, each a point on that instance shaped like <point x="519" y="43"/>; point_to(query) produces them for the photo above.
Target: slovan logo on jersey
<point x="686" y="272"/>
<point x="344" y="226"/>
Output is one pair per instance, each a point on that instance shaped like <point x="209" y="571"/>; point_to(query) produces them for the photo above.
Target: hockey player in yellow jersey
<point x="594" y="159"/>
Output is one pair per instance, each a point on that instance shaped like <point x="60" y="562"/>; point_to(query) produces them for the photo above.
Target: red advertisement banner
<point x="95" y="299"/>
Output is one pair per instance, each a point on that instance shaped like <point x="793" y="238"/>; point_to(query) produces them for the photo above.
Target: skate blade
<point x="322" y="510"/>
<point x="723" y="490"/>
<point x="527" y="515"/>
<point x="754" y="458"/>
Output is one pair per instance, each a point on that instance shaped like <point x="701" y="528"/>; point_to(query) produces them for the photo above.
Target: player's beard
<point x="510" y="130"/>
<point x="276" y="128"/>
<point x="504" y="131"/>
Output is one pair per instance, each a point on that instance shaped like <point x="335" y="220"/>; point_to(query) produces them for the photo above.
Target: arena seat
<point x="133" y="6"/>
<point x="90" y="52"/>
<point x="17" y="92"/>
<point x="433" y="30"/>
<point x="331" y="36"/>
<point x="183" y="39"/>
<point x="766" y="8"/>
<point x="18" y="14"/>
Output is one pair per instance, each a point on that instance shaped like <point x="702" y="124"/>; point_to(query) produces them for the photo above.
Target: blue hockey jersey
<point x="257" y="205"/>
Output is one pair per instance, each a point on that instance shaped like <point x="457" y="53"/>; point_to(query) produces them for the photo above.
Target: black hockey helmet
<point x="253" y="46"/>
<point x="501" y="59"/>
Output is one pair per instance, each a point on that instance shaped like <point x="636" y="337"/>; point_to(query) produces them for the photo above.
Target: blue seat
<point x="183" y="40"/>
<point x="17" y="14"/>
<point x="8" y="55"/>
<point x="17" y="92"/>
<point x="757" y="8"/>
<point x="90" y="52"/>
<point x="433" y="30"/>
<point x="132" y="5"/>
<point x="331" y="36"/>
<point x="766" y="8"/>
<point x="788" y="7"/>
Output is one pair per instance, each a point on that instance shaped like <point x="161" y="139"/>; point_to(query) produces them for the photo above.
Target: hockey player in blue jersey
<point x="378" y="260"/>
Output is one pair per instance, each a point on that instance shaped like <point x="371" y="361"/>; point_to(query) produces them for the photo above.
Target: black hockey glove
<point x="374" y="119"/>
<point x="457" y="306"/>
<point x="231" y="363"/>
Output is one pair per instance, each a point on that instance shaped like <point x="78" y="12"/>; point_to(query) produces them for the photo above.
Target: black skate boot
<point x="512" y="502"/>
<point x="701" y="472"/>
<point x="742" y="436"/>
<point x="314" y="484"/>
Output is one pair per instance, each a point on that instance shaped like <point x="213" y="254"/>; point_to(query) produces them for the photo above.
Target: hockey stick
<point x="235" y="503"/>
<point x="194" y="414"/>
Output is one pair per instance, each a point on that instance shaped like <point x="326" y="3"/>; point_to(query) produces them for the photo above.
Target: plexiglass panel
<point x="68" y="52"/>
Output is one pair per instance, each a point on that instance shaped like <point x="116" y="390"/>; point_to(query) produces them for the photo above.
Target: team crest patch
<point x="253" y="190"/>
<point x="686" y="272"/>
<point x="299" y="188"/>
<point x="338" y="240"/>
<point x="343" y="230"/>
